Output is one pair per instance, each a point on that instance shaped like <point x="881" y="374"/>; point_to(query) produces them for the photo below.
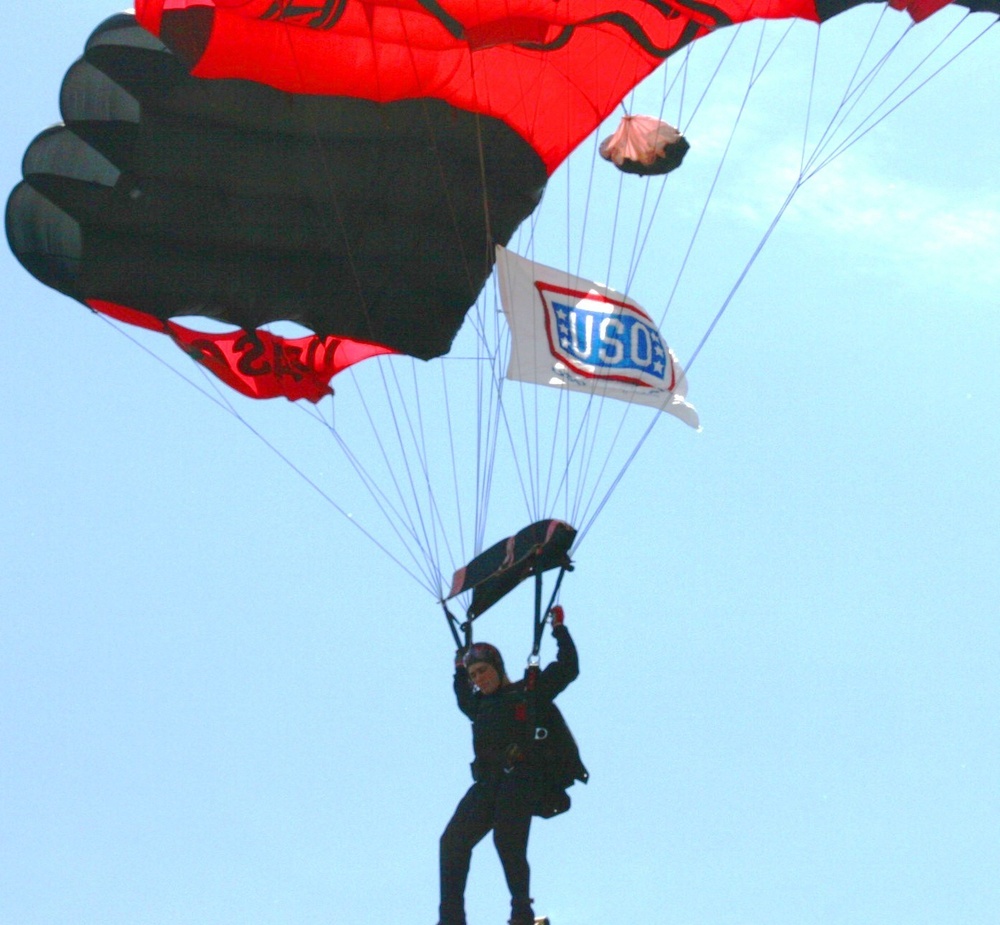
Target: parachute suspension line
<point x="641" y="239"/>
<point x="523" y="479"/>
<point x="718" y="172"/>
<point x="555" y="438"/>
<point x="573" y="438"/>
<point x="856" y="89"/>
<point x="402" y="513"/>
<point x="755" y="75"/>
<point x="639" y="246"/>
<point x="590" y="448"/>
<point x="426" y="535"/>
<point x="495" y="413"/>
<point x="582" y="504"/>
<point x="584" y="224"/>
<point x="589" y="522"/>
<point x="863" y="85"/>
<point x="580" y="428"/>
<point x="682" y="75"/>
<point x="715" y="180"/>
<point x="809" y="169"/>
<point x="501" y="420"/>
<point x="436" y="526"/>
<point x="563" y="483"/>
<point x="485" y="387"/>
<point x="529" y="438"/>
<point x="454" y="461"/>
<point x="489" y="403"/>
<point x="562" y="424"/>
<point x="863" y="130"/>
<point x="426" y="544"/>
<point x="568" y="173"/>
<point x="809" y="104"/>
<point x="575" y="428"/>
<point x="582" y="514"/>
<point x="225" y="405"/>
<point x="743" y="274"/>
<point x="524" y="448"/>
<point x="489" y="406"/>
<point x="388" y="509"/>
<point x="566" y="439"/>
<point x="395" y="520"/>
<point x="542" y="490"/>
<point x="718" y="317"/>
<point x="801" y="180"/>
<point x="590" y="423"/>
<point x="614" y="226"/>
<point x="410" y="500"/>
<point x="482" y="453"/>
<point x="455" y="626"/>
<point x="542" y="615"/>
<point x="759" y="65"/>
<point x="849" y="91"/>
<point x="494" y="387"/>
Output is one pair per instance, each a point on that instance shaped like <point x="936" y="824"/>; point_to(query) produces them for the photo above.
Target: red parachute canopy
<point x="258" y="364"/>
<point x="551" y="71"/>
<point x="346" y="164"/>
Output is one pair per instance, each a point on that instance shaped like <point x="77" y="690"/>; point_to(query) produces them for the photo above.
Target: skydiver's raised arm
<point x="558" y="675"/>
<point x="463" y="687"/>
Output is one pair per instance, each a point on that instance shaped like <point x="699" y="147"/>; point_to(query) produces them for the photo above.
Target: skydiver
<point x="509" y="782"/>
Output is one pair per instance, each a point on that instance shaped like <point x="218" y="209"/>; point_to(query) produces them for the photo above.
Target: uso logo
<point x="601" y="338"/>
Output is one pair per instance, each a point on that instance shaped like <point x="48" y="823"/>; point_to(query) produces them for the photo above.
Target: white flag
<point x="571" y="333"/>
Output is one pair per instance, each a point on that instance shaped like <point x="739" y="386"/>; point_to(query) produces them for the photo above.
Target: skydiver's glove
<point x="558" y="616"/>
<point x="460" y="656"/>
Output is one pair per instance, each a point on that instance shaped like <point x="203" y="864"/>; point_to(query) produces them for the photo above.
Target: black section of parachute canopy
<point x="671" y="159"/>
<point x="494" y="573"/>
<point x="174" y="196"/>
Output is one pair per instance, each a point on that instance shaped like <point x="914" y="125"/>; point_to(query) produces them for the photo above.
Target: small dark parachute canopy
<point x="537" y="548"/>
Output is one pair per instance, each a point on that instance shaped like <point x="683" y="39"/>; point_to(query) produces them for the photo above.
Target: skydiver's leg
<point x="511" y="827"/>
<point x="473" y="818"/>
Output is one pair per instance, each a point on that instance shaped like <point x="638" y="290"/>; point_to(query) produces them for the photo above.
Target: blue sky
<point x="220" y="703"/>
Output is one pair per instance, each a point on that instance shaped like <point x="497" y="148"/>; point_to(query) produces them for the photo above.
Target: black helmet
<point x="484" y="652"/>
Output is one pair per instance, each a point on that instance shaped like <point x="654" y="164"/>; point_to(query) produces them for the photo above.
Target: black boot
<point x="521" y="913"/>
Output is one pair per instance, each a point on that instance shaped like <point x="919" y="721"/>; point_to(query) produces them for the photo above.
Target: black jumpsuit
<point x="506" y="786"/>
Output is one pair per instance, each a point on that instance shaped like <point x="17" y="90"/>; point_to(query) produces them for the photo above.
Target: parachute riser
<point x="461" y="631"/>
<point x="455" y="627"/>
<point x="541" y="616"/>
